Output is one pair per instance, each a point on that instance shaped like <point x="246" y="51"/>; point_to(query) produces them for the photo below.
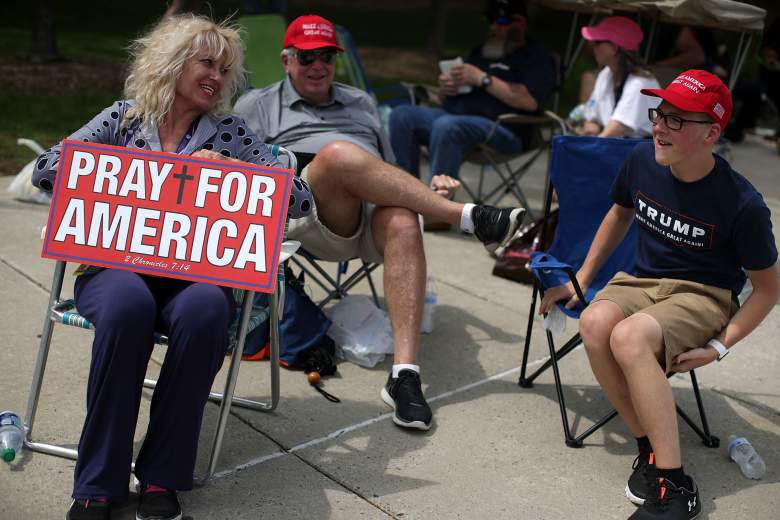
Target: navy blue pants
<point x="126" y="309"/>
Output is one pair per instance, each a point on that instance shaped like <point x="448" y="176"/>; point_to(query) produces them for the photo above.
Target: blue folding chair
<point x="581" y="172"/>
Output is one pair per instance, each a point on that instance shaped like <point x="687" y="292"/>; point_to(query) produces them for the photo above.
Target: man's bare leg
<point x="343" y="174"/>
<point x="637" y="344"/>
<point x="596" y="325"/>
<point x="397" y="236"/>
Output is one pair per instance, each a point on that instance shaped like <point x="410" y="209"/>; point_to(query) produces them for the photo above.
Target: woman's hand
<point x="591" y="128"/>
<point x="214" y="156"/>
<point x="694" y="358"/>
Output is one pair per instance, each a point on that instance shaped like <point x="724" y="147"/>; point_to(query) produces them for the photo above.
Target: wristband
<point x="720" y="347"/>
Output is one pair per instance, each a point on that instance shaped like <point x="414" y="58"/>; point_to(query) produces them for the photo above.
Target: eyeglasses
<point x="671" y="121"/>
<point x="306" y="58"/>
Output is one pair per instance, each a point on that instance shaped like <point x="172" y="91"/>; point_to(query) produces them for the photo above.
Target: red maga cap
<point x="311" y="32"/>
<point x="697" y="91"/>
<point x="620" y="30"/>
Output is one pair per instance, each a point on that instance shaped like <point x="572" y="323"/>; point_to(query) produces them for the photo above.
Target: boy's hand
<point x="693" y="359"/>
<point x="558" y="293"/>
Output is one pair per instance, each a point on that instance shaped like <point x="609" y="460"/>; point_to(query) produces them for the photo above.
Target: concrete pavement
<point x="495" y="450"/>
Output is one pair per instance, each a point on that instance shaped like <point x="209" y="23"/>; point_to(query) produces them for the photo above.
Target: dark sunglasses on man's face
<point x="672" y="122"/>
<point x="326" y="56"/>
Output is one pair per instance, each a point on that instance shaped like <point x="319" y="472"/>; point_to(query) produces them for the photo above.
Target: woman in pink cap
<point x="616" y="108"/>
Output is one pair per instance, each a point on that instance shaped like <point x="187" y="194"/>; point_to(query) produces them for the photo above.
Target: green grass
<point x="96" y="31"/>
<point x="44" y="118"/>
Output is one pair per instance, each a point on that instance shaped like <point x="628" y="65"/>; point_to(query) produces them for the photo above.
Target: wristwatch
<point x="720" y="347"/>
<point x="486" y="81"/>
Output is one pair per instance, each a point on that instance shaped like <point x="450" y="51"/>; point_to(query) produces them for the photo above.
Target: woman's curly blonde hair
<point x="158" y="60"/>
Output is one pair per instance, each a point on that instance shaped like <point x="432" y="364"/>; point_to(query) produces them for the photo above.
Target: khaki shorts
<point x="327" y="245"/>
<point x="690" y="313"/>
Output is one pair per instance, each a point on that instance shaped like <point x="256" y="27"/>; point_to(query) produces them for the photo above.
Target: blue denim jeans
<point x="448" y="137"/>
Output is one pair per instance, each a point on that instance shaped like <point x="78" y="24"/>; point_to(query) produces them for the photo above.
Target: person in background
<point x="616" y="108"/>
<point x="181" y="82"/>
<point x="507" y="73"/>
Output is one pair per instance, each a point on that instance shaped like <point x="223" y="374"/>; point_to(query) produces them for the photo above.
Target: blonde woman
<point x="181" y="85"/>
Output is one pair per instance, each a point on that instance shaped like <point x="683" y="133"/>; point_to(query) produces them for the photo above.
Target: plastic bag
<point x="361" y="331"/>
<point x="555" y="321"/>
<point x="21" y="187"/>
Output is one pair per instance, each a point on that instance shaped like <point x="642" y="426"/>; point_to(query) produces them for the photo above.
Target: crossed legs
<point x="624" y="354"/>
<point x="342" y="177"/>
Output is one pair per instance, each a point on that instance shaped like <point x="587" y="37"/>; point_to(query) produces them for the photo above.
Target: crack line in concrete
<point x="24" y="275"/>
<point x="360" y="425"/>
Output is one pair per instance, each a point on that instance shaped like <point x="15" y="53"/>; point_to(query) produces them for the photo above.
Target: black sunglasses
<point x="672" y="122"/>
<point x="326" y="56"/>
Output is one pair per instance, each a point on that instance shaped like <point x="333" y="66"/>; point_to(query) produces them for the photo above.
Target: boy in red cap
<point x="701" y="227"/>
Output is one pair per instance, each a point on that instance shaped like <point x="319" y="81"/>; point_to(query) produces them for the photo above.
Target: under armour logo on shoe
<point x="691" y="505"/>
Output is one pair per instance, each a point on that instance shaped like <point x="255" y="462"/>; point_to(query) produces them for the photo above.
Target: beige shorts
<point x="690" y="313"/>
<point x="327" y="245"/>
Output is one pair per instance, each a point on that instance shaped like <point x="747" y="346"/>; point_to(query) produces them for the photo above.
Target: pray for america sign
<point x="168" y="215"/>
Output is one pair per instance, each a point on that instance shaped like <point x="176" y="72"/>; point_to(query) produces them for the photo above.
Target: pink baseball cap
<point x="697" y="91"/>
<point x="623" y="32"/>
<point x="311" y="32"/>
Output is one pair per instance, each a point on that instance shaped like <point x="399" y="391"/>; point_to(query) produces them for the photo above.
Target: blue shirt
<point x="704" y="231"/>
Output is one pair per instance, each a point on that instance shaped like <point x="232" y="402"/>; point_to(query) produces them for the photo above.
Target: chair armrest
<point x="540" y="260"/>
<point x="289" y="247"/>
<point x="421" y="93"/>
<point x="544" y="264"/>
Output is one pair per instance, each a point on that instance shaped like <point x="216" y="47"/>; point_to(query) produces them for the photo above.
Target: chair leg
<point x="40" y="369"/>
<point x="707" y="438"/>
<point x="368" y="268"/>
<point x="523" y="381"/>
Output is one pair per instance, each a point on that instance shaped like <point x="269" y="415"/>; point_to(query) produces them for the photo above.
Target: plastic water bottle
<point x="11" y="435"/>
<point x="555" y="321"/>
<point x="742" y="452"/>
<point x="430" y="304"/>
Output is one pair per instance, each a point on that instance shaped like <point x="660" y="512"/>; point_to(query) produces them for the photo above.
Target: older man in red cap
<point x="701" y="227"/>
<point x="364" y="207"/>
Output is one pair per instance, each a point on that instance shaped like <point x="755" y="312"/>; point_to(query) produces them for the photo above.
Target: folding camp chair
<point x="64" y="312"/>
<point x="544" y="127"/>
<point x="581" y="171"/>
<point x="263" y="35"/>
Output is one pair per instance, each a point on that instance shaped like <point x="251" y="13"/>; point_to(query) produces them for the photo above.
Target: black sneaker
<point x="494" y="227"/>
<point x="641" y="483"/>
<point x="404" y="394"/>
<point x="158" y="505"/>
<point x="89" y="510"/>
<point x="669" y="502"/>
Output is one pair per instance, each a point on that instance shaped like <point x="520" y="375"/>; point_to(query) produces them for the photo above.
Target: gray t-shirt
<point x="279" y="115"/>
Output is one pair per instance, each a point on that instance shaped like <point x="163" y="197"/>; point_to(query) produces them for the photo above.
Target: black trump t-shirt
<point x="705" y="231"/>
